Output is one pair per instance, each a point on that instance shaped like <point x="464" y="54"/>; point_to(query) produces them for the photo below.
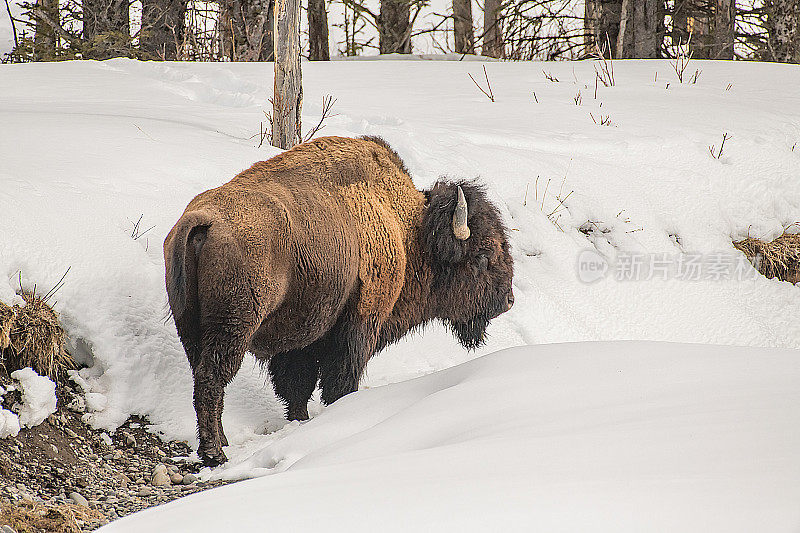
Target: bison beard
<point x="319" y="258"/>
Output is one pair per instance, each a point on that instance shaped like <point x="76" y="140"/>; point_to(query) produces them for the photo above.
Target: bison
<point x="320" y="257"/>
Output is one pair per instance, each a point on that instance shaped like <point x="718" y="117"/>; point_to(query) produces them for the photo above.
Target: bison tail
<point x="182" y="251"/>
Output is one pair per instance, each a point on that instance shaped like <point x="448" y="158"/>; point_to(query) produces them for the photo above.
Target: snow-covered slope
<point x="613" y="436"/>
<point x="87" y="148"/>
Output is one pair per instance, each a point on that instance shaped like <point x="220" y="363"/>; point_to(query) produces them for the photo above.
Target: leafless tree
<point x="162" y="28"/>
<point x="492" y="28"/>
<point x="641" y="29"/>
<point x="711" y="25"/>
<point x="462" y="27"/>
<point x="782" y="23"/>
<point x="394" y="27"/>
<point x="356" y="21"/>
<point x="287" y="99"/>
<point x="246" y="28"/>
<point x="318" y="31"/>
<point x="724" y="29"/>
<point x="601" y="22"/>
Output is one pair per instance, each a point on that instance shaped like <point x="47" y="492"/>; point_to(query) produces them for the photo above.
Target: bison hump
<point x="382" y="251"/>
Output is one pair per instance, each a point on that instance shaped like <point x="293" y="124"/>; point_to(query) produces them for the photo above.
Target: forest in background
<point x="242" y="30"/>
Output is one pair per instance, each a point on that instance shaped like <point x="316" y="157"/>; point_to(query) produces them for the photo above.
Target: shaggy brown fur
<point x="316" y="259"/>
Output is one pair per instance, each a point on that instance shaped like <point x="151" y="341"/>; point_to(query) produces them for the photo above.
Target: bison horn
<point x="460" y="228"/>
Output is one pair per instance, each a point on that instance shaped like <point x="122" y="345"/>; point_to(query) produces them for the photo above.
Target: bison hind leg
<point x="219" y="362"/>
<point x="294" y="377"/>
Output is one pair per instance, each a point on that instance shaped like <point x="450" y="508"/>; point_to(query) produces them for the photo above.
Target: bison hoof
<point x="212" y="457"/>
<point x="297" y="413"/>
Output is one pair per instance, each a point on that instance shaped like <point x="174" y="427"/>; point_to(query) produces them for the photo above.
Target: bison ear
<point x="439" y="241"/>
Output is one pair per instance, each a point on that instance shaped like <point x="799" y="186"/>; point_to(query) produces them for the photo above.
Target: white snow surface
<point x="9" y="424"/>
<point x="87" y="148"/>
<point x="604" y="436"/>
<point x="38" y="397"/>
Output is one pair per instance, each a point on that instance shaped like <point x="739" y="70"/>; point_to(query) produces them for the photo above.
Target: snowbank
<point x="9" y="424"/>
<point x="87" y="149"/>
<point x="38" y="397"/>
<point x="611" y="436"/>
<point x="38" y="402"/>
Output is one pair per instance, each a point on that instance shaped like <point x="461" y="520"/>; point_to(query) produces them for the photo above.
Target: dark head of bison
<point x="466" y="245"/>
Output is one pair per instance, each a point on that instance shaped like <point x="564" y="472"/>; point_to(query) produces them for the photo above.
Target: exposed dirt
<point x="63" y="475"/>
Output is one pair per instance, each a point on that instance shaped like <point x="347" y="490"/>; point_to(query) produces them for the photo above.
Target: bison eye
<point x="483" y="262"/>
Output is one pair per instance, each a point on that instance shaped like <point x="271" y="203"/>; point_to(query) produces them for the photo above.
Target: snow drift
<point x="611" y="436"/>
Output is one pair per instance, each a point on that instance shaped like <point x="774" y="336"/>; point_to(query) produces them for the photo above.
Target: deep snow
<point x="86" y="148"/>
<point x="613" y="436"/>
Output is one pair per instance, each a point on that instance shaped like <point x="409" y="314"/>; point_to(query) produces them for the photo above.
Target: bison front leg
<point x="294" y="376"/>
<point x="351" y="344"/>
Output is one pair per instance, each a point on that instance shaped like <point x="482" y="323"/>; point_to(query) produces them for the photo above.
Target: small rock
<point x="130" y="440"/>
<point x="78" y="404"/>
<point x="161" y="452"/>
<point x="176" y="479"/>
<point x="145" y="491"/>
<point x="78" y="499"/>
<point x="188" y="479"/>
<point x="7" y="529"/>
<point x="160" y="468"/>
<point x="117" y="455"/>
<point x="160" y="479"/>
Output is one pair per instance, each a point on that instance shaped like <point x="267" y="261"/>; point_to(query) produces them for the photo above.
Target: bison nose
<point x="509" y="300"/>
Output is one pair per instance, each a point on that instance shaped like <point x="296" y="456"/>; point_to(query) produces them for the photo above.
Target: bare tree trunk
<point x="492" y="29"/>
<point x="394" y="27"/>
<point x="247" y="29"/>
<point x="601" y="21"/>
<point x="723" y="32"/>
<point x="318" y="31"/>
<point x="625" y="35"/>
<point x="462" y="26"/>
<point x="641" y="29"/>
<point x="783" y="28"/>
<point x="287" y="100"/>
<point x="162" y="28"/>
<point x="45" y="38"/>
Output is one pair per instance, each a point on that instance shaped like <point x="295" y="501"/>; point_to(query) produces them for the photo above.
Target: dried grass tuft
<point x="32" y="517"/>
<point x="779" y="258"/>
<point x="31" y="336"/>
